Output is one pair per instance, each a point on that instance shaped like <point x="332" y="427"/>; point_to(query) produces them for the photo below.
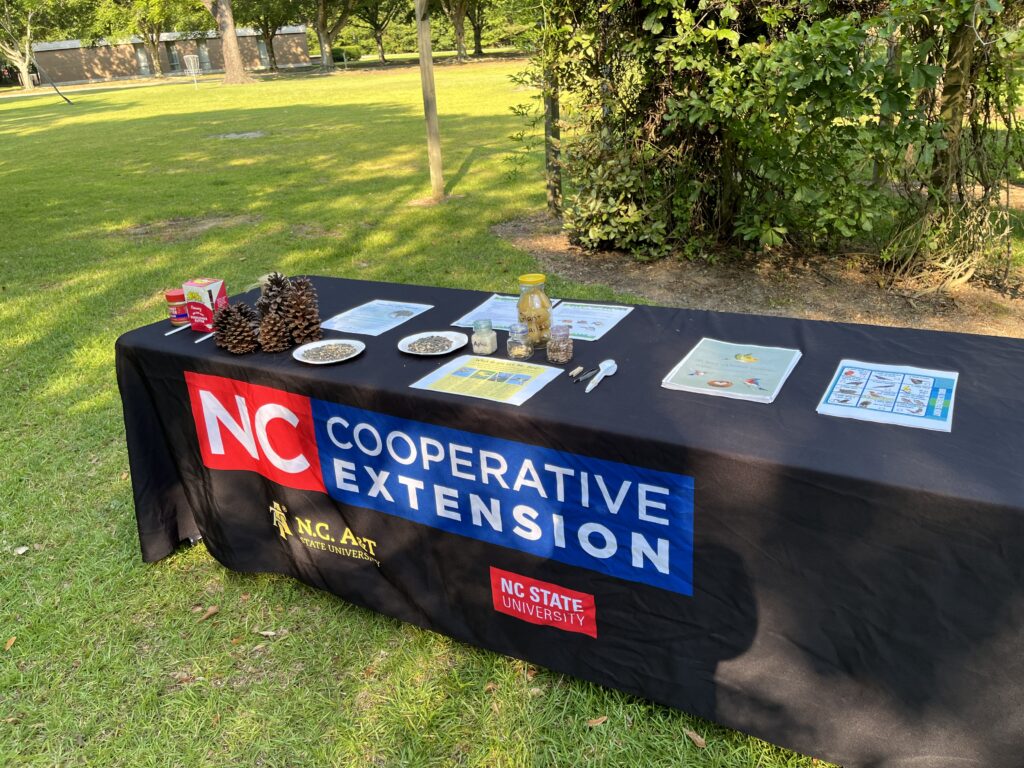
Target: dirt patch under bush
<point x="820" y="288"/>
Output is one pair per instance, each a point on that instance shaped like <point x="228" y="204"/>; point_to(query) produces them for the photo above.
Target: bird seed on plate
<point x="430" y="344"/>
<point x="326" y="353"/>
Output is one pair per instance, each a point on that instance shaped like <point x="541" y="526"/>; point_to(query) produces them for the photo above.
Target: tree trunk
<point x="234" y="69"/>
<point x="459" y="23"/>
<point x="268" y="40"/>
<point x="323" y="36"/>
<point x="379" y="37"/>
<point x="25" y="70"/>
<point x="152" y="46"/>
<point x="426" y="53"/>
<point x="478" y="33"/>
<point x="955" y="87"/>
<point x="552" y="141"/>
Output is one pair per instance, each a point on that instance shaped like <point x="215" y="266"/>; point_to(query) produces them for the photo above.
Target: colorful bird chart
<point x="739" y="371"/>
<point x="891" y="394"/>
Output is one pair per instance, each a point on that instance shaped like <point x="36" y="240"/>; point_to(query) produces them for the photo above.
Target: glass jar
<point x="485" y="340"/>
<point x="560" y="345"/>
<point x="535" y="308"/>
<point x="176" y="310"/>
<point x="519" y="345"/>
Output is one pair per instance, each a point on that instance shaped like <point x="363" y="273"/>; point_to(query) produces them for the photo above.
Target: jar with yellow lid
<point x="535" y="308"/>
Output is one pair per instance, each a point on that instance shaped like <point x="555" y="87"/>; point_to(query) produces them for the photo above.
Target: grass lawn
<point x="128" y="192"/>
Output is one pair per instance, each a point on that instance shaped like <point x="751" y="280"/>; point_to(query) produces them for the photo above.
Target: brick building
<point x="68" y="62"/>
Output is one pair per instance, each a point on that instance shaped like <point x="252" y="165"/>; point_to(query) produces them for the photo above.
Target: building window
<point x="261" y="46"/>
<point x="172" y="57"/>
<point x="142" y="59"/>
<point x="204" y="56"/>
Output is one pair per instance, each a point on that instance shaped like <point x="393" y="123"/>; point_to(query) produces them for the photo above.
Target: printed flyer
<point x="501" y="310"/>
<point x="503" y="381"/>
<point x="375" y="317"/>
<point x="588" y="322"/>
<point x="739" y="371"/>
<point x="891" y="394"/>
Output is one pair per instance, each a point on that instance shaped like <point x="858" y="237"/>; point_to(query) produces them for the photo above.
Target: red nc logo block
<point x="256" y="429"/>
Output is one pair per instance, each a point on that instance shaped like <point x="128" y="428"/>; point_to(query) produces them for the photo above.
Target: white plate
<point x="298" y="351"/>
<point x="459" y="340"/>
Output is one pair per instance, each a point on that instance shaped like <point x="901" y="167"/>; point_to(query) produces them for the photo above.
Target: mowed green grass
<point x="125" y="193"/>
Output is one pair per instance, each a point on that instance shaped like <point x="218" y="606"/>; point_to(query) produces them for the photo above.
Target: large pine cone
<point x="274" y="333"/>
<point x="234" y="329"/>
<point x="274" y="289"/>
<point x="302" y="311"/>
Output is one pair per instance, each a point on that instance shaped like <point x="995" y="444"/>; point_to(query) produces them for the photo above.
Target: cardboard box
<point x="203" y="297"/>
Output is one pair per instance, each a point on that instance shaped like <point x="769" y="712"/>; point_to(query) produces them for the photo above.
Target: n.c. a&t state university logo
<point x="319" y="535"/>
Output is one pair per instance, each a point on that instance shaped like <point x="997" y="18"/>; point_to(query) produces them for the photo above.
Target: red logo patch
<point x="254" y="428"/>
<point x="540" y="602"/>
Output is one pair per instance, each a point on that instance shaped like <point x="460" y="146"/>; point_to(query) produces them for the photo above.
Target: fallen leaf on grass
<point x="535" y="692"/>
<point x="124" y="475"/>
<point x="216" y="719"/>
<point x="212" y="610"/>
<point x="37" y="547"/>
<point x="597" y="721"/>
<point x="259" y="648"/>
<point x="10" y="643"/>
<point x="696" y="738"/>
<point x="245" y="597"/>
<point x="267" y="633"/>
<point x="494" y="707"/>
<point x="236" y="640"/>
<point x="491" y="687"/>
<point x="12" y="720"/>
<point x="531" y="672"/>
<point x="197" y="608"/>
<point x="20" y="550"/>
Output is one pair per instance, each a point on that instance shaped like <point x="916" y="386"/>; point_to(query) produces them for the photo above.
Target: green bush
<point x="761" y="123"/>
<point x="347" y="53"/>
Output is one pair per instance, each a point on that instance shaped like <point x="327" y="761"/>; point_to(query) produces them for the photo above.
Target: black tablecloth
<point x="857" y="588"/>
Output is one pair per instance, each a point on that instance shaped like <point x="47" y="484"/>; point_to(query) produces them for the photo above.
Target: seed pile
<point x="430" y="344"/>
<point x="329" y="353"/>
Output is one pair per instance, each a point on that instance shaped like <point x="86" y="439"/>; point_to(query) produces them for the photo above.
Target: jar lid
<point x="560" y="331"/>
<point x="532" y="279"/>
<point x="518" y="329"/>
<point x="174" y="294"/>
<point x="482" y="326"/>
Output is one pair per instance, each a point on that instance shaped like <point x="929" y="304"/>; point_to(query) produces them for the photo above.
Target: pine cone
<point x="274" y="333"/>
<point x="235" y="329"/>
<point x="275" y="287"/>
<point x="302" y="311"/>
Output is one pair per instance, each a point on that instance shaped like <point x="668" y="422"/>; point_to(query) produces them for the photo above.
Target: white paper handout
<point x="375" y="317"/>
<point x="503" y="381"/>
<point x="588" y="322"/>
<point x="739" y="371"/>
<point x="891" y="394"/>
<point x="501" y="310"/>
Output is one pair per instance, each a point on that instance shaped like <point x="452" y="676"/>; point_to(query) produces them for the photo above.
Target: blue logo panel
<point x="625" y="521"/>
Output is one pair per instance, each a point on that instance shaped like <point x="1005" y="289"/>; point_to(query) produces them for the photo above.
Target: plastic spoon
<point x="604" y="368"/>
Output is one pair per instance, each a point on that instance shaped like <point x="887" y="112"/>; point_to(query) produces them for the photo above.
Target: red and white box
<point x="203" y="297"/>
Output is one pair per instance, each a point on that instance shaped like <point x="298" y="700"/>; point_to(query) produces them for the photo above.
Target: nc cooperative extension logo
<point x="628" y="522"/>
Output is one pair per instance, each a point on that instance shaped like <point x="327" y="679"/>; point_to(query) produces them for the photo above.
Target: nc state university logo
<point x="257" y="429"/>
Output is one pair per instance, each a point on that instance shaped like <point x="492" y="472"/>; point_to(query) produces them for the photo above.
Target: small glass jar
<point x="485" y="340"/>
<point x="176" y="310"/>
<point x="535" y="308"/>
<point x="560" y="345"/>
<point x="519" y="346"/>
